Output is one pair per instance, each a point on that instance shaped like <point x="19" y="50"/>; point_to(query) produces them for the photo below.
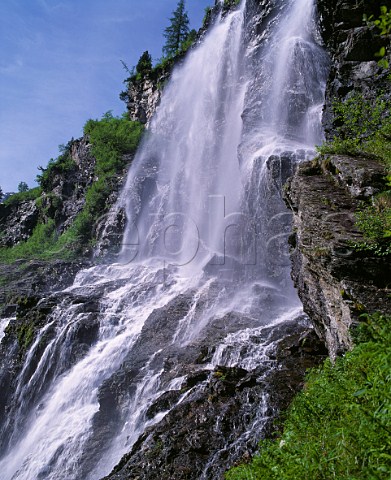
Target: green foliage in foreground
<point x="111" y="138"/>
<point x="340" y="425"/>
<point x="364" y="128"/>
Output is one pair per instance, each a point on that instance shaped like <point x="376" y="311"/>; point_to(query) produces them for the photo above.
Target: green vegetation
<point x="37" y="246"/>
<point x="364" y="128"/>
<point x="231" y="3"/>
<point x="111" y="138"/>
<point x="383" y="23"/>
<point x="23" y="187"/>
<point x="375" y="222"/>
<point x="340" y="425"/>
<point x="62" y="164"/>
<point x="16" y="198"/>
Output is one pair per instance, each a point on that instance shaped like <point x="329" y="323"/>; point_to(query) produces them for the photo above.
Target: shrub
<point x="111" y="138"/>
<point x="41" y="240"/>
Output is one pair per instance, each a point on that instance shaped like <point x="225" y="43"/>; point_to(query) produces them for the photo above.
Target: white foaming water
<point x="202" y="248"/>
<point x="3" y="325"/>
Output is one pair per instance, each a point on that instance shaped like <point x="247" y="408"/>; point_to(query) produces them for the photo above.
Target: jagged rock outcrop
<point x="36" y="279"/>
<point x="17" y="222"/>
<point x="64" y="196"/>
<point x="336" y="282"/>
<point x="143" y="96"/>
<point x="352" y="46"/>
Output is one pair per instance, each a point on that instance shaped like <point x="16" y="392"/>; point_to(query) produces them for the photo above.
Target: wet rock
<point x="21" y="355"/>
<point x="221" y="413"/>
<point x="35" y="278"/>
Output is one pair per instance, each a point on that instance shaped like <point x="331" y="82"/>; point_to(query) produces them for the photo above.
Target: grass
<point x="340" y="425"/>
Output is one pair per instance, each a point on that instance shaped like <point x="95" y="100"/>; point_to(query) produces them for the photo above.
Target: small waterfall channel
<point x="204" y="267"/>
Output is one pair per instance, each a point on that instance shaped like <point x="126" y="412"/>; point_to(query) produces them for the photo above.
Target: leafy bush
<point x="340" y="425"/>
<point x="375" y="222"/>
<point x="144" y="64"/>
<point x="383" y="23"/>
<point x="111" y="138"/>
<point x="23" y="187"/>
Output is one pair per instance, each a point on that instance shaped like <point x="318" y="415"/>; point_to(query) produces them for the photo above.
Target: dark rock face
<point x="35" y="279"/>
<point x="352" y="46"/>
<point x="17" y="222"/>
<point x="68" y="190"/>
<point x="336" y="283"/>
<point x="212" y="425"/>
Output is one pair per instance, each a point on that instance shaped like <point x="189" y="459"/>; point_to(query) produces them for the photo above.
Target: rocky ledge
<point x="336" y="282"/>
<point x="34" y="279"/>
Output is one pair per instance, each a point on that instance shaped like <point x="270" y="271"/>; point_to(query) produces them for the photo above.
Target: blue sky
<point x="60" y="65"/>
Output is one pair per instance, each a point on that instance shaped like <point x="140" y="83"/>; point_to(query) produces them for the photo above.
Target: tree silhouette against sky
<point x="176" y="33"/>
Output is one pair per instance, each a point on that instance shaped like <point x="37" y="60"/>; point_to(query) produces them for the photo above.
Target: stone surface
<point x="17" y="222"/>
<point x="352" y="46"/>
<point x="336" y="283"/>
<point x="35" y="279"/>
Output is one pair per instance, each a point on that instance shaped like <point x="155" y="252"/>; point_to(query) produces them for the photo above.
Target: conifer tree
<point x="22" y="187"/>
<point x="176" y="33"/>
<point x="144" y="64"/>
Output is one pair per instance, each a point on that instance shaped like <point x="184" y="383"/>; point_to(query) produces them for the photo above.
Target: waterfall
<point x="205" y="245"/>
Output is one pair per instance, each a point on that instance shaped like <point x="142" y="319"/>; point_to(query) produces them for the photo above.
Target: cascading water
<point x="205" y="245"/>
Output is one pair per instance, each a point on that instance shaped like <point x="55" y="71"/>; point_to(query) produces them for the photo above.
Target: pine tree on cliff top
<point x="178" y="31"/>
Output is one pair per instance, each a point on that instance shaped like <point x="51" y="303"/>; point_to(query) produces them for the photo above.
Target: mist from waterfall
<point x="206" y="232"/>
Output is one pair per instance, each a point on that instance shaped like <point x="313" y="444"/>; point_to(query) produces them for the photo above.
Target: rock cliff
<point x="337" y="283"/>
<point x="352" y="46"/>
